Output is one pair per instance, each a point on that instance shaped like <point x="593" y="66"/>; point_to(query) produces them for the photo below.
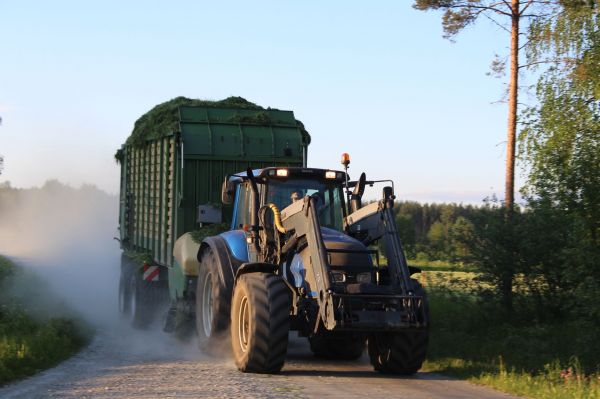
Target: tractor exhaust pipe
<point x="254" y="210"/>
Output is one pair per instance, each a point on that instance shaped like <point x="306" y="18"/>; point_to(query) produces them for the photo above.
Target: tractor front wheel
<point x="401" y="352"/>
<point x="260" y="323"/>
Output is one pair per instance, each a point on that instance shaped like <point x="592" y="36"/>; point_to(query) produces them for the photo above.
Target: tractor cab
<point x="282" y="187"/>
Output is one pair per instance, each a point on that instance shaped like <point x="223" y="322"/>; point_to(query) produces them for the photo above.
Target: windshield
<point x="284" y="193"/>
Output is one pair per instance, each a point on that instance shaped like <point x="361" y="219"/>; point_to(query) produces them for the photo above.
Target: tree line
<point x="431" y="232"/>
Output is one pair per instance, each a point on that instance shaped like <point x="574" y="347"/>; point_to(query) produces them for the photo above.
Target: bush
<point x="28" y="345"/>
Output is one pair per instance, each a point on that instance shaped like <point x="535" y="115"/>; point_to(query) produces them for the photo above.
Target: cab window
<point x="329" y="195"/>
<point x="243" y="206"/>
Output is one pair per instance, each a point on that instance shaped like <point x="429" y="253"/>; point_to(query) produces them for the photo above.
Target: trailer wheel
<point x="400" y="352"/>
<point x="342" y="347"/>
<point x="213" y="303"/>
<point x="145" y="301"/>
<point x="260" y="323"/>
<point x="124" y="295"/>
<point x="139" y="309"/>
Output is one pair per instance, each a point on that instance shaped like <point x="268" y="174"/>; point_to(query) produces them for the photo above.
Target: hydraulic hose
<point x="277" y="218"/>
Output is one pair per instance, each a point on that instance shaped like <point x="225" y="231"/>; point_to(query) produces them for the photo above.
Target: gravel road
<point x="123" y="363"/>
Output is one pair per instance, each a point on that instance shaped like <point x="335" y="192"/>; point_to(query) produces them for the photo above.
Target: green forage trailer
<point x="172" y="170"/>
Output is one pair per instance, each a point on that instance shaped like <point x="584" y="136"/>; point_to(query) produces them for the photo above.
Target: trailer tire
<point x="124" y="295"/>
<point x="340" y="347"/>
<point x="260" y="323"/>
<point x="124" y="298"/>
<point x="213" y="304"/>
<point x="401" y="352"/>
<point x="144" y="302"/>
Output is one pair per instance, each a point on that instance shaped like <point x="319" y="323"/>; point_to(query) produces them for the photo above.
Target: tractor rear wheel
<point x="260" y="323"/>
<point x="213" y="303"/>
<point x="401" y="352"/>
<point x="339" y="346"/>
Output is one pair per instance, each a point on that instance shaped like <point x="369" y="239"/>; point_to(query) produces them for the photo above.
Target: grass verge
<point x="475" y="340"/>
<point x="29" y="345"/>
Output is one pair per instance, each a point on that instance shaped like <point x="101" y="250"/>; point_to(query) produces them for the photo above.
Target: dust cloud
<point x="63" y="238"/>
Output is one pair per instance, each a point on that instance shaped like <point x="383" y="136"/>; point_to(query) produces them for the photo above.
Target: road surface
<point x="123" y="363"/>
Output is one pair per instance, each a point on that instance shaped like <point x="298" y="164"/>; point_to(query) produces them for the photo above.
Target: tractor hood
<point x="333" y="239"/>
<point x="354" y="255"/>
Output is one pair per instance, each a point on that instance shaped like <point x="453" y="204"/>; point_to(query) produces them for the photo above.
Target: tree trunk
<point x="509" y="201"/>
<point x="509" y="196"/>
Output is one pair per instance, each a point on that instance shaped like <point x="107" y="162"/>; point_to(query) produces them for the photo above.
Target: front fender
<point x="236" y="242"/>
<point x="246" y="268"/>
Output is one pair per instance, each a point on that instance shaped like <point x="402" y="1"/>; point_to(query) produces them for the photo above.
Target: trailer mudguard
<point x="186" y="254"/>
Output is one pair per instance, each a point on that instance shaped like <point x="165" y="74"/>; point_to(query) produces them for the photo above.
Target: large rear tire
<point x="260" y="323"/>
<point x="401" y="352"/>
<point x="213" y="304"/>
<point x="339" y="346"/>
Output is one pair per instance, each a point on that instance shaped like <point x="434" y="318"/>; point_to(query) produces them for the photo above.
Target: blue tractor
<point x="302" y="255"/>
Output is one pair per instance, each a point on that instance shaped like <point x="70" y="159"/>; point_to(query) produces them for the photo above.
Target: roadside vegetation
<point x="30" y="344"/>
<point x="514" y="306"/>
<point x="473" y="337"/>
<point x="515" y="289"/>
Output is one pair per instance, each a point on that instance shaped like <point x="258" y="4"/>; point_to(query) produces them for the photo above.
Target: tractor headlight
<point x="338" y="277"/>
<point x="364" y="278"/>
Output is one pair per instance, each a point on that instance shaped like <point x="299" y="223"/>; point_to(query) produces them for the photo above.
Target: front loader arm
<point x="301" y="217"/>
<point x="374" y="222"/>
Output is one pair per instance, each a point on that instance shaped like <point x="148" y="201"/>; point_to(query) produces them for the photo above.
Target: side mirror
<point x="388" y="194"/>
<point x="227" y="191"/>
<point x="359" y="190"/>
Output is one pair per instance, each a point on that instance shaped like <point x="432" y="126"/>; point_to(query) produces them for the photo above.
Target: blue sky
<point x="375" y="79"/>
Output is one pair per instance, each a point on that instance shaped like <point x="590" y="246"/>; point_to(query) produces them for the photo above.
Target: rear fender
<point x="227" y="264"/>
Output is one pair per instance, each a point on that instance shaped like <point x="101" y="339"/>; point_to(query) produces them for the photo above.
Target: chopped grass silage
<point x="163" y="119"/>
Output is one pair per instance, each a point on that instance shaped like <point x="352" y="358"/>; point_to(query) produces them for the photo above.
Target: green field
<point x="29" y="345"/>
<point x="474" y="339"/>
